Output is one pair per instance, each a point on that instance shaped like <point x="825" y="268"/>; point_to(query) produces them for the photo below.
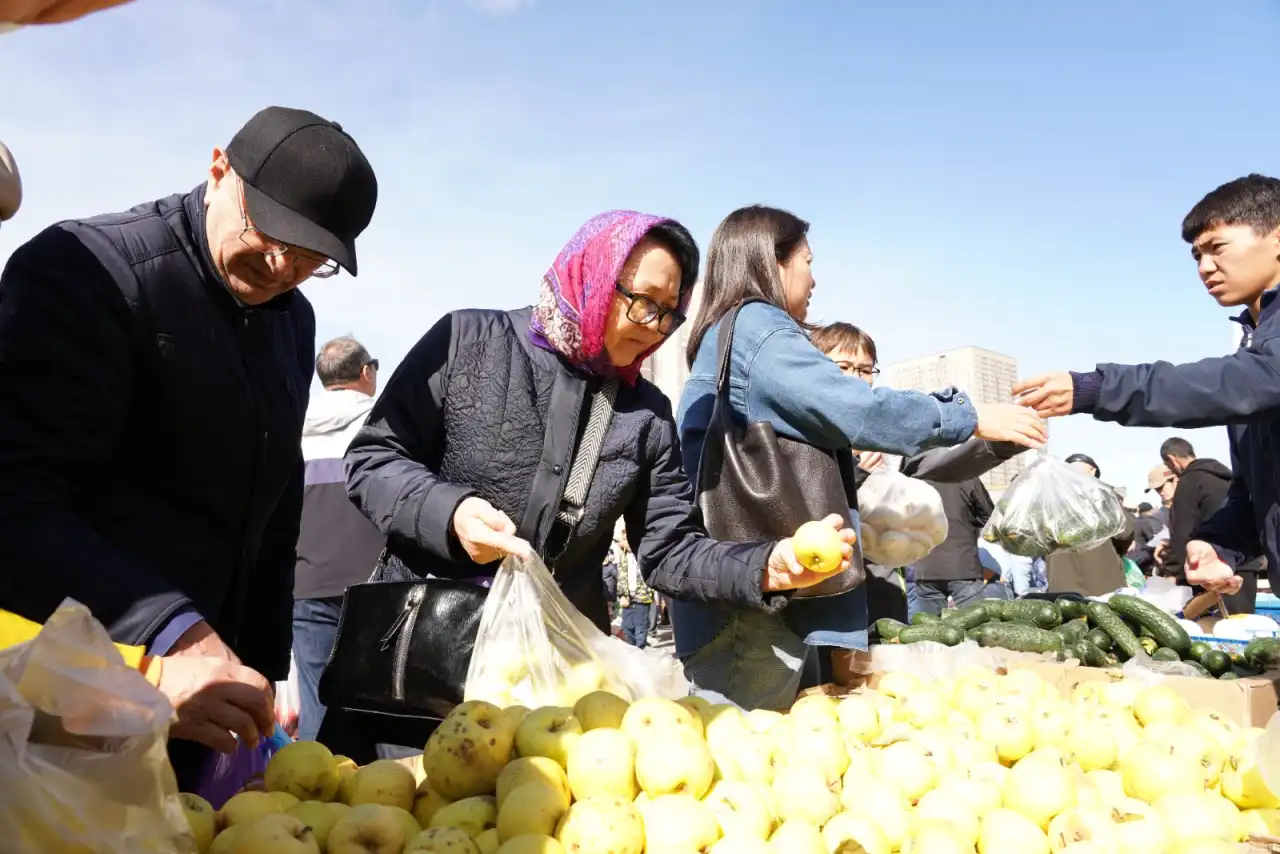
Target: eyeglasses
<point x="643" y="311"/>
<point x="260" y="243"/>
<point x="864" y="372"/>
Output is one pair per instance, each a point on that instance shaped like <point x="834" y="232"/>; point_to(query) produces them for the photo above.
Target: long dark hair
<point x="742" y="261"/>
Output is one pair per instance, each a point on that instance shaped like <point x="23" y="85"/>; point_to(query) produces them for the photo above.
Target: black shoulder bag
<point x="754" y="484"/>
<point x="404" y="643"/>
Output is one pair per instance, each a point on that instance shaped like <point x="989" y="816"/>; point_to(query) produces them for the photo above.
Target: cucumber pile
<point x="1096" y="634"/>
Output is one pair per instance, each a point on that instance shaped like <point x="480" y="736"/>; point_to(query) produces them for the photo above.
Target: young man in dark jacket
<point x="1234" y="234"/>
<point x="1200" y="492"/>
<point x="952" y="570"/>
<point x="156" y="372"/>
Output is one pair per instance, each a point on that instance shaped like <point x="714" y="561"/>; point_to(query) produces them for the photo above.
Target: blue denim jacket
<point x="777" y="375"/>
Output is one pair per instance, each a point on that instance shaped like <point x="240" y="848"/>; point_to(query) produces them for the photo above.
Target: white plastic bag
<point x="902" y="519"/>
<point x="289" y="700"/>
<point x="1051" y="508"/>
<point x="84" y="765"/>
<point x="533" y="648"/>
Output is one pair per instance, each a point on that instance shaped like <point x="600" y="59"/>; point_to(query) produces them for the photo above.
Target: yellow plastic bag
<point x="83" y="761"/>
<point x="534" y="648"/>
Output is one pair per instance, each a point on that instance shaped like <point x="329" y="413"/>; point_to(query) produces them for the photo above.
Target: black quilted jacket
<point x="476" y="409"/>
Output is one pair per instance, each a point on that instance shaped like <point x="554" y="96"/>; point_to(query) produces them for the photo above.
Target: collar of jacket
<point x="193" y="203"/>
<point x="1268" y="307"/>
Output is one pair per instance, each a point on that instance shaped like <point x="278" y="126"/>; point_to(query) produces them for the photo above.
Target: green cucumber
<point x="1149" y="644"/>
<point x="923" y="618"/>
<point x="887" y="628"/>
<point x="1100" y="639"/>
<point x="1089" y="655"/>
<point x="1197" y="650"/>
<point x="1160" y="625"/>
<point x="1072" y="609"/>
<point x="1166" y="654"/>
<point x="1263" y="654"/>
<point x="1035" y="612"/>
<point x="973" y="633"/>
<point x="1110" y="622"/>
<point x="939" y="632"/>
<point x="1216" y="662"/>
<point x="969" y="617"/>
<point x="1020" y="637"/>
<point x="1074" y="631"/>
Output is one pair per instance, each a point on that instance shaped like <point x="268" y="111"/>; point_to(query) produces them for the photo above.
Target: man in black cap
<point x="1095" y="571"/>
<point x="156" y="369"/>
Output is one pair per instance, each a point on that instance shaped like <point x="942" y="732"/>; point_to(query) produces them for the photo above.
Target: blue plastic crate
<point x="1268" y="605"/>
<point x="1225" y="644"/>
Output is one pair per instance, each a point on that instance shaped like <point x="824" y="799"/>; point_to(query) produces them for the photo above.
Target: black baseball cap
<point x="306" y="182"/>
<point x="1087" y="460"/>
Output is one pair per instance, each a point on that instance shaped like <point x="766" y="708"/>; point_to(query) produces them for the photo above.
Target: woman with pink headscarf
<point x="469" y="454"/>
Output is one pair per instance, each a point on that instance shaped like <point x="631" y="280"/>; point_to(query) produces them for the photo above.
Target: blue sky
<point x="1005" y="174"/>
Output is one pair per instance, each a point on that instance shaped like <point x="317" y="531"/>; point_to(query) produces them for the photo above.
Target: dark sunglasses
<point x="642" y="311"/>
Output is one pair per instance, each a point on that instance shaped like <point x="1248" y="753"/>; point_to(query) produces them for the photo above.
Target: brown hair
<point x="843" y="336"/>
<point x="742" y="261"/>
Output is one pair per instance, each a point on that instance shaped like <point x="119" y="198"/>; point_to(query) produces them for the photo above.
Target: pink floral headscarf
<point x="580" y="287"/>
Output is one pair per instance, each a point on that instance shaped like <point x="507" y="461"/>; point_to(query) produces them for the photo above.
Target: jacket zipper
<point x="401" y="632"/>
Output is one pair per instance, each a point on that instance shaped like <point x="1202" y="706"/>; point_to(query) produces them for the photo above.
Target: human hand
<point x="870" y="460"/>
<point x="201" y="641"/>
<point x="784" y="572"/>
<point x="486" y="533"/>
<point x="214" y="698"/>
<point x="1157" y="554"/>
<point x="624" y="602"/>
<point x="1205" y="569"/>
<point x="1050" y="395"/>
<point x="1008" y="422"/>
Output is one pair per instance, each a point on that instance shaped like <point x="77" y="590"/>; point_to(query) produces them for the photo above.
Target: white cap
<point x="10" y="185"/>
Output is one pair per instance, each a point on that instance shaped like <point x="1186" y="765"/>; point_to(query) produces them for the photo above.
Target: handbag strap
<point x="587" y="454"/>
<point x="724" y="344"/>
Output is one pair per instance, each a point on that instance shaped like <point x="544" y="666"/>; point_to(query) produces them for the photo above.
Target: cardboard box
<point x="1247" y="702"/>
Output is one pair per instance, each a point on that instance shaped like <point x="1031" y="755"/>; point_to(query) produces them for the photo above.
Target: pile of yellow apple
<point x="986" y="763"/>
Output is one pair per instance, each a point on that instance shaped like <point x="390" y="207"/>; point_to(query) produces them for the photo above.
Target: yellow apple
<point x="850" y="832"/>
<point x="1202" y="846"/>
<point x="816" y="707"/>
<point x="426" y="802"/>
<point x="797" y="837"/>
<point x="385" y="782"/>
<point x="245" y="807"/>
<point x="474" y="815"/>
<point x="925" y="707"/>
<point x="201" y="818"/>
<point x="820" y="742"/>
<point x="487" y="842"/>
<point x="679" y="823"/>
<point x="602" y="825"/>
<point x="859" y="718"/>
<point x="703" y="710"/>
<point x="897" y="684"/>
<point x="740" y="809"/>
<point x="929" y="836"/>
<point x="441" y="840"/>
<point x="1138" y="828"/>
<point x="533" y="769"/>
<point x="371" y="829"/>
<point x="468" y="750"/>
<point x="1152" y="770"/>
<point x="1159" y="703"/>
<point x="532" y="809"/>
<point x="320" y="816"/>
<point x="1008" y="732"/>
<point x="1092" y="745"/>
<point x="742" y="845"/>
<point x="550" y="731"/>
<point x="1202" y="814"/>
<point x="817" y="547"/>
<point x="801" y="792"/>
<point x="515" y="714"/>
<point x="304" y="769"/>
<point x="651" y="715"/>
<point x="1074" y="826"/>
<point x="675" y="761"/>
<point x="600" y="709"/>
<point x="278" y="834"/>
<point x="1050" y="726"/>
<point x="531" y="844"/>
<point x="602" y="762"/>
<point x="1008" y="832"/>
<point x="1039" y="789"/>
<point x="943" y="806"/>
<point x="1244" y="784"/>
<point x="908" y="766"/>
<point x="225" y="841"/>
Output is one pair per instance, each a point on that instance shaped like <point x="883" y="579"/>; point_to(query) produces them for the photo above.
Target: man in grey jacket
<point x="337" y="545"/>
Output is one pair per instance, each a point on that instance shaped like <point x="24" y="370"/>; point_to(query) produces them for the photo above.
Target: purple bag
<point x="225" y="774"/>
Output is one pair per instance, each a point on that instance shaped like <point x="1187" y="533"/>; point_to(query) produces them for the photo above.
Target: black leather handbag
<point x="754" y="484"/>
<point x="404" y="642"/>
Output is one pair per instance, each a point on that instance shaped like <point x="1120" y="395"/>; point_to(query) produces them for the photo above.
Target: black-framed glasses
<point x="643" y="311"/>
<point x="864" y="372"/>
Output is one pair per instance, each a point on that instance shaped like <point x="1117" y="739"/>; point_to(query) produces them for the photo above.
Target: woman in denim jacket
<point x="777" y="375"/>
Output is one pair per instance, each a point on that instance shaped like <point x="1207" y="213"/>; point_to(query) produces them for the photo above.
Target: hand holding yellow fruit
<point x="814" y="551"/>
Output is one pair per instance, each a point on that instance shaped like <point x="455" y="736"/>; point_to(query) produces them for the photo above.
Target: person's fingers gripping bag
<point x="902" y="519"/>
<point x="534" y="648"/>
<point x="83" y="748"/>
<point x="1051" y="508"/>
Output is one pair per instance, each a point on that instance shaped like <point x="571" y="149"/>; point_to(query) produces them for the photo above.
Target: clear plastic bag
<point x="83" y="748"/>
<point x="289" y="700"/>
<point x="1051" y="508"/>
<point x="533" y="648"/>
<point x="902" y="519"/>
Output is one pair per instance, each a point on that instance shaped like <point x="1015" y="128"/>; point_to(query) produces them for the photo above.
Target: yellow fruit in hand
<point x="818" y="547"/>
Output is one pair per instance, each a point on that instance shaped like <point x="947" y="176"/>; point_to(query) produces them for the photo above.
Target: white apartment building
<point x="985" y="375"/>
